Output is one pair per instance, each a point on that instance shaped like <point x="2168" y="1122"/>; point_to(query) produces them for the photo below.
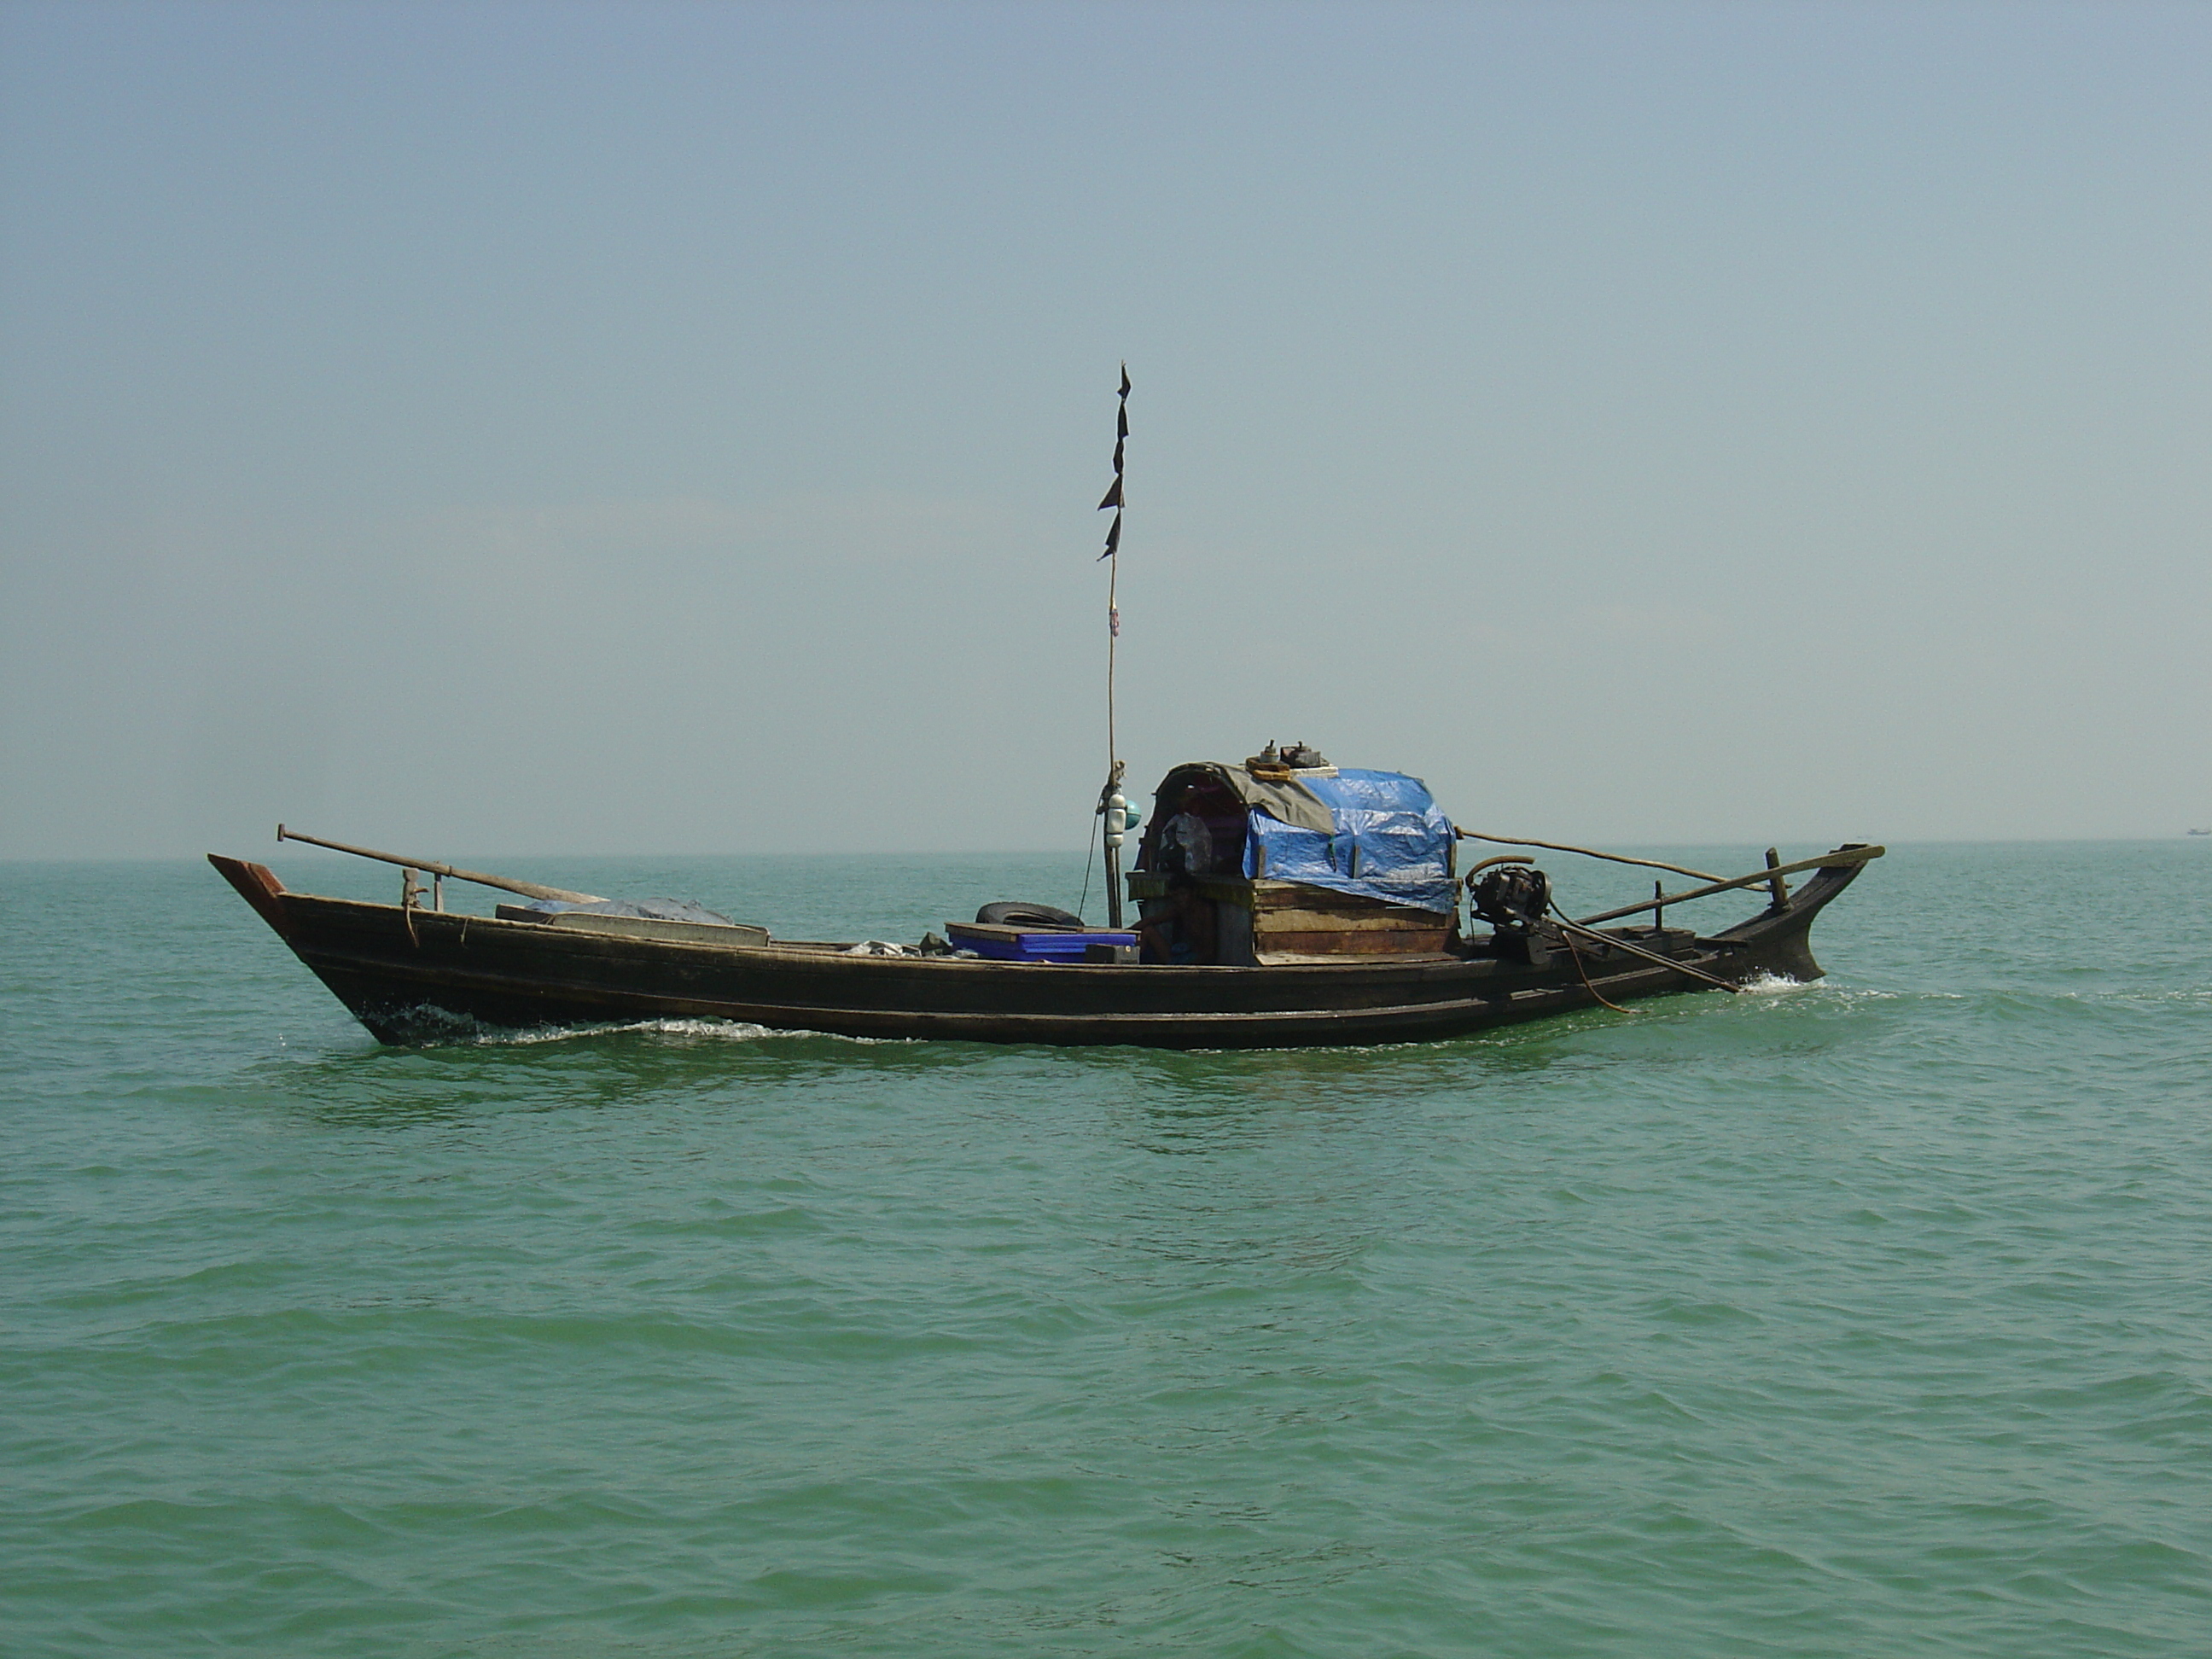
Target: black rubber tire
<point x="1012" y="913"/>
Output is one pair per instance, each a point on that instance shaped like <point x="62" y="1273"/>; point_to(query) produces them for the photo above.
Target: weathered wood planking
<point x="1313" y="922"/>
<point x="1260" y="921"/>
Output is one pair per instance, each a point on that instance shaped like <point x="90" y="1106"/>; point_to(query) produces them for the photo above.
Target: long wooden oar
<point x="527" y="889"/>
<point x="1826" y="862"/>
<point x="1611" y="943"/>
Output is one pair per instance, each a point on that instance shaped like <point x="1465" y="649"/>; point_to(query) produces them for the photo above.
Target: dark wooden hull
<point x="408" y="974"/>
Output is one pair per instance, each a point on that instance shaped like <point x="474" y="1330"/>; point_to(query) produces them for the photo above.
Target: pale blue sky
<point x="518" y="428"/>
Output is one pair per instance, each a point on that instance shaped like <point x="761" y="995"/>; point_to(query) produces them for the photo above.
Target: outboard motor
<point x="1511" y="897"/>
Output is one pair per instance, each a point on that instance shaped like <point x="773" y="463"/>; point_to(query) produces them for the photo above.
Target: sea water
<point x="1869" y="1317"/>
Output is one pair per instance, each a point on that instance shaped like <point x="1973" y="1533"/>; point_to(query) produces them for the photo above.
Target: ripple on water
<point x="1863" y="1317"/>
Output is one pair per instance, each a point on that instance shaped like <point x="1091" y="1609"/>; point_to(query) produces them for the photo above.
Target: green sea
<point x="1863" y="1318"/>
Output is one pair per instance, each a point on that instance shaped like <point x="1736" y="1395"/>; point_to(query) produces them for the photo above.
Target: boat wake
<point x="430" y="1027"/>
<point x="711" y="1030"/>
<point x="1772" y="985"/>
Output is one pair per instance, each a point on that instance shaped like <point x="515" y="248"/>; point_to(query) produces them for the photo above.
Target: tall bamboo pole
<point x="1111" y="824"/>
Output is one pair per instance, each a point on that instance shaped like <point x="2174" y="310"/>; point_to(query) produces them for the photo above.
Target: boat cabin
<point x="1286" y="858"/>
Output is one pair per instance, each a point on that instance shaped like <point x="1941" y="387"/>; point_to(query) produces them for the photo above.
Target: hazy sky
<point x="633" y="427"/>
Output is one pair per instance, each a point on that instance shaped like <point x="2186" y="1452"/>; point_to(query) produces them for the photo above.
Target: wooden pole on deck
<point x="527" y="889"/>
<point x="1111" y="824"/>
<point x="1766" y="877"/>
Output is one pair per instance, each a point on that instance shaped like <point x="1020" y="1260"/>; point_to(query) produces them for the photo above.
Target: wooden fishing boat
<point x="1326" y="906"/>
<point x="1282" y="902"/>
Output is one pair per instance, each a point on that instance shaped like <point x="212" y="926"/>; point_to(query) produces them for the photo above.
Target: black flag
<point x="1114" y="490"/>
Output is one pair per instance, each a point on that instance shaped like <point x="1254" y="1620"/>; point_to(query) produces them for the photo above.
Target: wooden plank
<point x="1395" y="942"/>
<point x="1277" y="897"/>
<point x="1267" y="925"/>
<point x="1334" y="958"/>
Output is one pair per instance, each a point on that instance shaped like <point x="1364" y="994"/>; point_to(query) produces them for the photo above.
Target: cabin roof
<point x="1290" y="800"/>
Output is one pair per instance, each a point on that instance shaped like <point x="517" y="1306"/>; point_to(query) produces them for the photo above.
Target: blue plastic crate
<point x="1024" y="945"/>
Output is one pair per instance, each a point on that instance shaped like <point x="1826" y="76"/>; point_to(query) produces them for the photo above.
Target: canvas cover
<point x="646" y="910"/>
<point x="1288" y="802"/>
<point x="1375" y="834"/>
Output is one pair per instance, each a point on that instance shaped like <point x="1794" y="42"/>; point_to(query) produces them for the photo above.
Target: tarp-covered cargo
<point x="1387" y="840"/>
<point x="1378" y="835"/>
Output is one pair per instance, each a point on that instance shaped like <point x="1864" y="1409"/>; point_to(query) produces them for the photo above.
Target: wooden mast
<point x="1112" y="817"/>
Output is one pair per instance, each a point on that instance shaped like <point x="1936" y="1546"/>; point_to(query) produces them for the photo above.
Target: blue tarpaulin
<point x="1389" y="842"/>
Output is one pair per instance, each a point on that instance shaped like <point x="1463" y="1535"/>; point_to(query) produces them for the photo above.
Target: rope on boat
<point x="1583" y="975"/>
<point x="1586" y="852"/>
